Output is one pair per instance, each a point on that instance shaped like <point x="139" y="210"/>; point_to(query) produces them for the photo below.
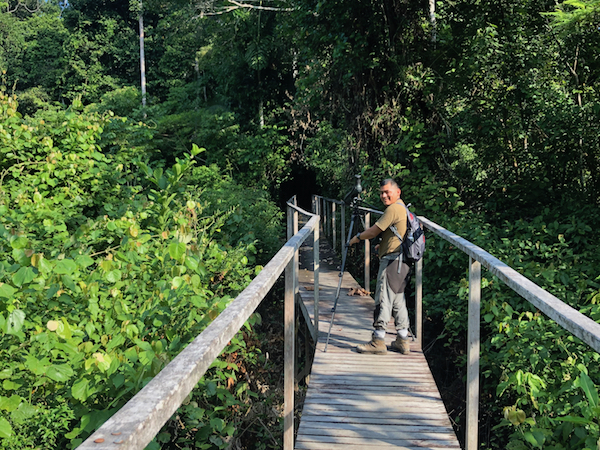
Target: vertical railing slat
<point x="473" y="345"/>
<point x="288" y="413"/>
<point x="343" y="227"/>
<point x="316" y="268"/>
<point x="419" y="302"/>
<point x="296" y="266"/>
<point x="367" y="254"/>
<point x="288" y="357"/>
<point x="333" y="228"/>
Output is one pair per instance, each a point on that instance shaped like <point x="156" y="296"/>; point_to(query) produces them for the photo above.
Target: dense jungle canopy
<point x="128" y="221"/>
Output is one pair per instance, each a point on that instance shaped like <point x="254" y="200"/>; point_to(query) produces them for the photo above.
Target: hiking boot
<point x="375" y="345"/>
<point x="401" y="345"/>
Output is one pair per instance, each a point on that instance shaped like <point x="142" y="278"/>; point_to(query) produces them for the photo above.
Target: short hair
<point x="389" y="181"/>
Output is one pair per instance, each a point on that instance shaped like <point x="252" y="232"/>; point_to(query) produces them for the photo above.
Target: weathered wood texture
<point x="357" y="401"/>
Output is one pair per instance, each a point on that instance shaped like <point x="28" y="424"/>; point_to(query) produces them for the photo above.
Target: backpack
<point x="413" y="244"/>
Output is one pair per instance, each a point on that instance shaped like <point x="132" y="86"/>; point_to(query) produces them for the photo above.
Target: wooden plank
<point x="371" y="432"/>
<point x="347" y="446"/>
<point x="375" y="443"/>
<point x="316" y="411"/>
<point x="431" y="419"/>
<point x="391" y="427"/>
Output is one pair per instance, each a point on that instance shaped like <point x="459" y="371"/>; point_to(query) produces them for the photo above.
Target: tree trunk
<point x="142" y="61"/>
<point x="432" y="21"/>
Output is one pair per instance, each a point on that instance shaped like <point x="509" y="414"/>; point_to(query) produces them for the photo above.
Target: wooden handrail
<point x="140" y="419"/>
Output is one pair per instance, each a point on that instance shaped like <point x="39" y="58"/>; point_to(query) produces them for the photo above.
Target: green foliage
<point x="123" y="102"/>
<point x="576" y="14"/>
<point x="254" y="220"/>
<point x="106" y="273"/>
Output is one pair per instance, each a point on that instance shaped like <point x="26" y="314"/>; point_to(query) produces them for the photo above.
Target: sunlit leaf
<point x="65" y="266"/>
<point x="15" y="321"/>
<point x="6" y="290"/>
<point x="59" y="372"/>
<point x="5" y="428"/>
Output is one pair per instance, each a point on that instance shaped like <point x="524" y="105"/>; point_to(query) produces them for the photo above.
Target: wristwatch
<point x="358" y="236"/>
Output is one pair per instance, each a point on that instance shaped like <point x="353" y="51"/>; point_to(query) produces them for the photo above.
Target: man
<point x="391" y="280"/>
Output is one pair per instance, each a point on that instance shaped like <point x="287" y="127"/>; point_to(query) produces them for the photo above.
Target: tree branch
<point x="238" y="5"/>
<point x="24" y="6"/>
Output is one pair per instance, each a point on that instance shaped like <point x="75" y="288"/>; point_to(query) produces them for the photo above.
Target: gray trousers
<point x="388" y="304"/>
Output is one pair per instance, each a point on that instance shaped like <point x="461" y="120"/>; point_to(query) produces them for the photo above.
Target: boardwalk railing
<point x="567" y="317"/>
<point x="140" y="419"/>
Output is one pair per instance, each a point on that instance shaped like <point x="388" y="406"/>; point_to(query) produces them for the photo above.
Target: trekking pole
<point x="352" y="198"/>
<point x="341" y="275"/>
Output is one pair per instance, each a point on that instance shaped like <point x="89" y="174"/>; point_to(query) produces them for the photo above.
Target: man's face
<point x="389" y="194"/>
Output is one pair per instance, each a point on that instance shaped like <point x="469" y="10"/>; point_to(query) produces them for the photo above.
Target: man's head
<point x="389" y="191"/>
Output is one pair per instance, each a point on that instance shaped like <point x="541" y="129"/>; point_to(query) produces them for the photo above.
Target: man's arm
<point x="369" y="233"/>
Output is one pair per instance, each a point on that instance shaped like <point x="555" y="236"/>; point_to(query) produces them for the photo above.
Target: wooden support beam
<point x="343" y="227"/>
<point x="289" y="357"/>
<point x="473" y="346"/>
<point x="316" y="270"/>
<point x="419" y="302"/>
<point x="367" y="254"/>
<point x="333" y="227"/>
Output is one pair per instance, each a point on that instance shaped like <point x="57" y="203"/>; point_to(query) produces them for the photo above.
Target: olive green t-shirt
<point x="395" y="214"/>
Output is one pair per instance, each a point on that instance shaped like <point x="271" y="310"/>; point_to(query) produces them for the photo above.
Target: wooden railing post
<point x="325" y="218"/>
<point x="328" y="212"/>
<point x="316" y="267"/>
<point x="333" y="229"/>
<point x="297" y="266"/>
<point x="321" y="214"/>
<point x="291" y="285"/>
<point x="290" y="223"/>
<point x="473" y="346"/>
<point x="343" y="227"/>
<point x="419" y="301"/>
<point x="289" y="358"/>
<point x="367" y="254"/>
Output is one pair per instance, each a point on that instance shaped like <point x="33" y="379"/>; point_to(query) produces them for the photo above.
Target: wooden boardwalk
<point x="361" y="402"/>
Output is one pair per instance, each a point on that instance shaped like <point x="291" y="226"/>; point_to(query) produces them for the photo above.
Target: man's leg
<point x="377" y="343"/>
<point x="402" y="322"/>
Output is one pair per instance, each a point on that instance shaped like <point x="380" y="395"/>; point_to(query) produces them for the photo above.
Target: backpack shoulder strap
<point x="393" y="227"/>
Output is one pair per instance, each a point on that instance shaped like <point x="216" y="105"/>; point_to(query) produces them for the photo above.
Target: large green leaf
<point x="177" y="250"/>
<point x="587" y="385"/>
<point x="5" y="428"/>
<point x="23" y="276"/>
<point x="36" y="366"/>
<point x="59" y="372"/>
<point x="113" y="276"/>
<point x="80" y="389"/>
<point x="15" y="321"/>
<point x="23" y="412"/>
<point x="10" y="403"/>
<point x="6" y="290"/>
<point x="84" y="261"/>
<point x="65" y="266"/>
<point x="20" y="242"/>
